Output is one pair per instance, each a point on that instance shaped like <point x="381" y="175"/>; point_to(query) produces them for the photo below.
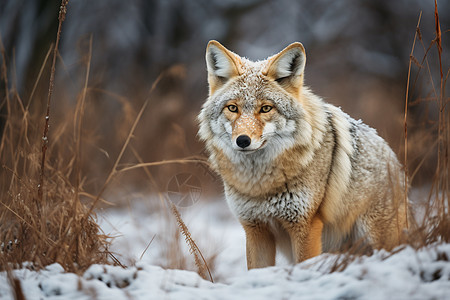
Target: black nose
<point x="243" y="141"/>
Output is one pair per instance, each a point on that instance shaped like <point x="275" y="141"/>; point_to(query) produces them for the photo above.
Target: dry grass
<point x="435" y="226"/>
<point x="200" y="262"/>
<point x="46" y="215"/>
<point x="428" y="219"/>
<point x="176" y="258"/>
<point x="43" y="219"/>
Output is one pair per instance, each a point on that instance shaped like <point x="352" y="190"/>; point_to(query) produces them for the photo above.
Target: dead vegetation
<point x="47" y="216"/>
<point x="429" y="216"/>
<point x="434" y="226"/>
<point x="43" y="219"/>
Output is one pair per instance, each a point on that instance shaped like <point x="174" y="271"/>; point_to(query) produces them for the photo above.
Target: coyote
<point x="301" y="175"/>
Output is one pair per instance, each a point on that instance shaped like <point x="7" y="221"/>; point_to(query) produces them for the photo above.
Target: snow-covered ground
<point x="408" y="274"/>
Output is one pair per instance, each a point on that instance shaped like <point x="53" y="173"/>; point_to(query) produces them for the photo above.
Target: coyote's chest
<point x="255" y="181"/>
<point x="258" y="176"/>
<point x="261" y="190"/>
<point x="291" y="206"/>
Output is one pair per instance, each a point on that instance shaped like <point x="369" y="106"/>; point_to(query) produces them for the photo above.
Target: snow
<point x="407" y="274"/>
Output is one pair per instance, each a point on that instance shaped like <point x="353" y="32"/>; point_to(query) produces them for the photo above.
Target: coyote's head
<point x="254" y="107"/>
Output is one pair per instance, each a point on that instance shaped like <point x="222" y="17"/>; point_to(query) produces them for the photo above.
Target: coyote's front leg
<point x="260" y="245"/>
<point x="306" y="237"/>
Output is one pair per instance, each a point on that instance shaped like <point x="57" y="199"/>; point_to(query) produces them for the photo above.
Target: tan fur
<point x="260" y="245"/>
<point x="312" y="179"/>
<point x="314" y="240"/>
<point x="234" y="60"/>
<point x="251" y="124"/>
<point x="305" y="237"/>
<point x="295" y="85"/>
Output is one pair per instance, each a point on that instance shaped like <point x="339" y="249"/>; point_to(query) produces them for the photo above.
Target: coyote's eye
<point x="266" y="108"/>
<point x="232" y="108"/>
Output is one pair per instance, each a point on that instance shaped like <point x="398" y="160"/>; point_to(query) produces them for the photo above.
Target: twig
<point x="148" y="245"/>
<point x="16" y="285"/>
<point x="4" y="74"/>
<point x="78" y="122"/>
<point x="441" y="128"/>
<point x="164" y="162"/>
<point x="192" y="245"/>
<point x="405" y="122"/>
<point x="114" y="170"/>
<point x="61" y="17"/>
<point x="41" y="71"/>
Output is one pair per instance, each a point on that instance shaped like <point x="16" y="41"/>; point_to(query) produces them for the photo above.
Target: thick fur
<point x="312" y="179"/>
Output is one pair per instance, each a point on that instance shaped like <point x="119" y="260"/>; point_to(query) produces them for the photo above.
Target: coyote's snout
<point x="301" y="175"/>
<point x="249" y="127"/>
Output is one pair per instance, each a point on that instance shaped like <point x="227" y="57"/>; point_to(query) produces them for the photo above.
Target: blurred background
<point x="358" y="53"/>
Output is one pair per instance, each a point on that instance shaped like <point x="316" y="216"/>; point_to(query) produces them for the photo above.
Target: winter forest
<point x="105" y="188"/>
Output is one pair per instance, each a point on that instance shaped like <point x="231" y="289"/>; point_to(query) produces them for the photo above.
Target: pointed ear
<point x="222" y="65"/>
<point x="287" y="67"/>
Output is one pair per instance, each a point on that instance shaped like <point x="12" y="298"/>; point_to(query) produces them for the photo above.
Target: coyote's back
<point x="300" y="174"/>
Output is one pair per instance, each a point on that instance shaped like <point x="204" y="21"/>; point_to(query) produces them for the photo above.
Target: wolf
<point x="301" y="176"/>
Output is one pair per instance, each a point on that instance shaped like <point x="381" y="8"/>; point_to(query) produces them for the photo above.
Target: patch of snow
<point x="407" y="274"/>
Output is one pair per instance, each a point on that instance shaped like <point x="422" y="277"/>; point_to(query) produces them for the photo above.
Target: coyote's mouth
<point x="248" y="151"/>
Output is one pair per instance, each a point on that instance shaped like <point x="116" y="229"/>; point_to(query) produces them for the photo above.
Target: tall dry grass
<point x="43" y="219"/>
<point x="434" y="225"/>
<point x="428" y="218"/>
<point x="46" y="215"/>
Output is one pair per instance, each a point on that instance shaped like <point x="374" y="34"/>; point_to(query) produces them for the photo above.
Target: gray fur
<point x="343" y="171"/>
